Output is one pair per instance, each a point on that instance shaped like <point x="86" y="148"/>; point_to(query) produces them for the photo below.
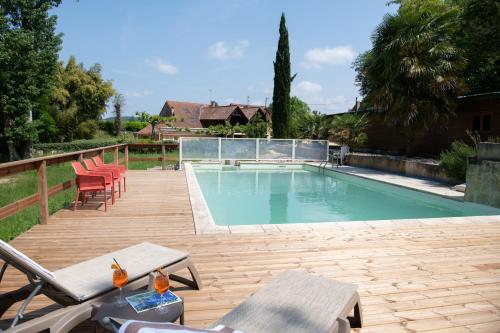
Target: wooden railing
<point x="40" y="165"/>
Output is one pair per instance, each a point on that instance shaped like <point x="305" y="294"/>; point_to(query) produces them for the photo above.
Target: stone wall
<point x="483" y="176"/>
<point x="421" y="168"/>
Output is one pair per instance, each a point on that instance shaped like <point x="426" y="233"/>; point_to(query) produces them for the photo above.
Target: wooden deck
<point x="440" y="277"/>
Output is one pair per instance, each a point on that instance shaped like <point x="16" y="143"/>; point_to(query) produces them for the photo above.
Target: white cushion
<point x="11" y="254"/>
<point x="135" y="326"/>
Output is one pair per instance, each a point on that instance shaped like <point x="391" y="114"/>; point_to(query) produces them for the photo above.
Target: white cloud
<point x="307" y="88"/>
<point x="321" y="57"/>
<point x="312" y="93"/>
<point x="138" y="94"/>
<point x="162" y="66"/>
<point x="223" y="51"/>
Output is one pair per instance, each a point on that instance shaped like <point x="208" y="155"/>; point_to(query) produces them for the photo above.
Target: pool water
<point x="302" y="194"/>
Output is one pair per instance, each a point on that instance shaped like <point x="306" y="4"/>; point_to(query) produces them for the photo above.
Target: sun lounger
<point x="294" y="302"/>
<point x="80" y="286"/>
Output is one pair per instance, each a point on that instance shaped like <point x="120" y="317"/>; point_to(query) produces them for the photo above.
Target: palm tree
<point x="349" y="129"/>
<point x="413" y="70"/>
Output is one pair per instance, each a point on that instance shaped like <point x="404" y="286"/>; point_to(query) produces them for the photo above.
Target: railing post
<point x="180" y="153"/>
<point x="115" y="155"/>
<point x="125" y="157"/>
<point x="43" y="197"/>
<point x="80" y="157"/>
<point x="101" y="154"/>
<point x="293" y="150"/>
<point x="220" y="149"/>
<point x="163" y="165"/>
<point x="257" y="142"/>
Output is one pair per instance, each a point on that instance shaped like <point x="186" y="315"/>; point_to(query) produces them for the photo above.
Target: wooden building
<point x="479" y="113"/>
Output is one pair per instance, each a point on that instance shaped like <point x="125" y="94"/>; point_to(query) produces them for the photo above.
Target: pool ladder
<point x="323" y="164"/>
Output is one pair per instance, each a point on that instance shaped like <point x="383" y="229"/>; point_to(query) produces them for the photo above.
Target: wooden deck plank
<point x="416" y="277"/>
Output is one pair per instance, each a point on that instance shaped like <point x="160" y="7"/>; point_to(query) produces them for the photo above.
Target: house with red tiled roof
<point x="197" y="115"/>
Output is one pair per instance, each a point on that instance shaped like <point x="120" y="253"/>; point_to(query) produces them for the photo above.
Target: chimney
<point x="213" y="104"/>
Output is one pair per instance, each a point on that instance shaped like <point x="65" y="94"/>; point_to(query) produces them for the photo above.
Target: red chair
<point x="92" y="182"/>
<point x="114" y="171"/>
<point x="99" y="163"/>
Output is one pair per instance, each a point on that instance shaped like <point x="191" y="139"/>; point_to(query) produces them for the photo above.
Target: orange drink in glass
<point x="161" y="284"/>
<point x="120" y="279"/>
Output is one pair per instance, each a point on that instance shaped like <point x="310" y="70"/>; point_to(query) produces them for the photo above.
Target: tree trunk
<point x="13" y="154"/>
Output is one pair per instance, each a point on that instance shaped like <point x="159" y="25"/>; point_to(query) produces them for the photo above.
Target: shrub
<point x="76" y="145"/>
<point x="107" y="126"/>
<point x="87" y="129"/>
<point x="134" y="126"/>
<point x="454" y="160"/>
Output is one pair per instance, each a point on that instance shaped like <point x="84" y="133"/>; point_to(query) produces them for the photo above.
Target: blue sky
<point x="155" y="50"/>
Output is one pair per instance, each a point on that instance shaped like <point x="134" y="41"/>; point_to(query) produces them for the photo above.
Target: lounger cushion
<point x="93" y="277"/>
<point x="15" y="257"/>
<point x="294" y="302"/>
<point x="134" y="326"/>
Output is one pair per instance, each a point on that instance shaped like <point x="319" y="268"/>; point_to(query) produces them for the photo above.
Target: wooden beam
<point x="125" y="157"/>
<point x="11" y="168"/>
<point x="115" y="155"/>
<point x="43" y="197"/>
<point x="163" y="165"/>
<point x="17" y="206"/>
<point x="154" y="159"/>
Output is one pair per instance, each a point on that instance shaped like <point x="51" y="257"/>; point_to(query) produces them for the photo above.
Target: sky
<point x="191" y="50"/>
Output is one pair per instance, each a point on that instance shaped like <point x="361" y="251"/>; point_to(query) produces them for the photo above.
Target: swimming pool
<point x="281" y="194"/>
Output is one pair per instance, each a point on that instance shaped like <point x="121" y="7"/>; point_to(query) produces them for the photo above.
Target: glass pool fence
<point x="220" y="149"/>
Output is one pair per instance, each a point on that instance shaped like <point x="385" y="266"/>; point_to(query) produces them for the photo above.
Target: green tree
<point x="118" y="103"/>
<point x="304" y="123"/>
<point x="79" y="99"/>
<point x="154" y="121"/>
<point x="479" y="36"/>
<point x="314" y="126"/>
<point x="299" y="114"/>
<point x="282" y="84"/>
<point x="349" y="129"/>
<point x="256" y="128"/>
<point x="28" y="58"/>
<point x="413" y="71"/>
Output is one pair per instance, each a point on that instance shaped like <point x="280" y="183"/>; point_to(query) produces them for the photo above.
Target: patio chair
<point x="93" y="182"/>
<point x="99" y="163"/>
<point x="114" y="171"/>
<point x="294" y="302"/>
<point x="82" y="285"/>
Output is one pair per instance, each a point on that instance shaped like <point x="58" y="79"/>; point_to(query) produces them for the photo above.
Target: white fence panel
<point x="275" y="149"/>
<point x="238" y="149"/>
<point x="199" y="149"/>
<point x="311" y="150"/>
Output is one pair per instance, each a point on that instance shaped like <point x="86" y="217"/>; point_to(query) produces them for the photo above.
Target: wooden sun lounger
<point x="294" y="302"/>
<point x="80" y="286"/>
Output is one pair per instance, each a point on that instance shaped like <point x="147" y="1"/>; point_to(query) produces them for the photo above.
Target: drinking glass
<point x="161" y="285"/>
<point x="120" y="279"/>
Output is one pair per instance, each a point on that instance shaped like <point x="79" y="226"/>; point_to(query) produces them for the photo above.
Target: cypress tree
<point x="282" y="83"/>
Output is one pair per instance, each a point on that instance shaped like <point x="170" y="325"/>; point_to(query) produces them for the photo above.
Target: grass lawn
<point x="24" y="184"/>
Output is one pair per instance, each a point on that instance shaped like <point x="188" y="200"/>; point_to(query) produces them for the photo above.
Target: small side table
<point x="110" y="316"/>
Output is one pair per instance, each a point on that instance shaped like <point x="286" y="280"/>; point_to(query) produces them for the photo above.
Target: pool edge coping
<point x="205" y="224"/>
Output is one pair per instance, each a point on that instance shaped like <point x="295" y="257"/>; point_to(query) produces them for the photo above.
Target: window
<point x="481" y="122"/>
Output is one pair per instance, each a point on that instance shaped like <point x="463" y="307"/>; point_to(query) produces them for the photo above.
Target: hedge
<point x="107" y="126"/>
<point x="134" y="126"/>
<point x="76" y="145"/>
